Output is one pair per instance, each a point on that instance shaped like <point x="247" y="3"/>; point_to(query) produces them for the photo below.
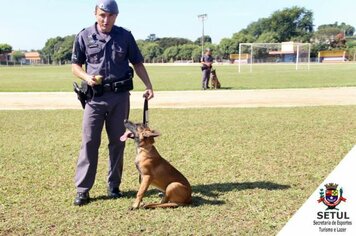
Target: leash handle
<point x="145" y="112"/>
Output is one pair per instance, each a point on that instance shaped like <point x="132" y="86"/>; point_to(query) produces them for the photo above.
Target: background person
<point x="106" y="50"/>
<point x="207" y="64"/>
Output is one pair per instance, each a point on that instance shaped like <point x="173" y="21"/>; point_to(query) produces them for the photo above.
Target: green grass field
<point x="250" y="170"/>
<point x="166" y="78"/>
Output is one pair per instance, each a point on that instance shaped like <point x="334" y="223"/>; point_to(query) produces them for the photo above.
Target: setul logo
<point x="332" y="196"/>
<point x="332" y="220"/>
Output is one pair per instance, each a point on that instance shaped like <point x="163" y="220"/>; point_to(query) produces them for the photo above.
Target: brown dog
<point x="215" y="83"/>
<point x="155" y="170"/>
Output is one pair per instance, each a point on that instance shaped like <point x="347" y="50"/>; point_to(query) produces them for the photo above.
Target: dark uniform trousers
<point x="205" y="78"/>
<point x="110" y="108"/>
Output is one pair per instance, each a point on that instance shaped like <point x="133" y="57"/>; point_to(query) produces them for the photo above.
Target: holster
<point x="81" y="93"/>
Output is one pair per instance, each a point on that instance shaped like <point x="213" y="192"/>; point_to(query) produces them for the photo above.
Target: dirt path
<point x="193" y="99"/>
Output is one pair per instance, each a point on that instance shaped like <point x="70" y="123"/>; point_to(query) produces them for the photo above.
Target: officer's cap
<point x="108" y="6"/>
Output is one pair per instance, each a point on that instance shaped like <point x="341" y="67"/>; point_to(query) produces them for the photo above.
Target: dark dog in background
<point x="215" y="83"/>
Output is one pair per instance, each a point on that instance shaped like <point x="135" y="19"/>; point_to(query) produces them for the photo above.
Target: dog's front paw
<point x="135" y="206"/>
<point x="132" y="208"/>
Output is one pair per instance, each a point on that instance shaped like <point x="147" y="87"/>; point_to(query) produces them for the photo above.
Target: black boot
<point x="114" y="192"/>
<point x="81" y="199"/>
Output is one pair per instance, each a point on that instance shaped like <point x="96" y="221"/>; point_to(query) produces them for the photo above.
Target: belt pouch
<point x="123" y="85"/>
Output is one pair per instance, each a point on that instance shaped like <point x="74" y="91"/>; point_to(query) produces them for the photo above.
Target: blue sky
<point x="27" y="24"/>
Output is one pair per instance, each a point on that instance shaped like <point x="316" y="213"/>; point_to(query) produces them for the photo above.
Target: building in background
<point x="32" y="58"/>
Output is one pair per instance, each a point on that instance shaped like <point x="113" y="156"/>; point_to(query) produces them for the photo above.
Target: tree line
<point x="289" y="24"/>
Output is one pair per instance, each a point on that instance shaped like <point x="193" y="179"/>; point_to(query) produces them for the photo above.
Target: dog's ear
<point x="155" y="133"/>
<point x="151" y="133"/>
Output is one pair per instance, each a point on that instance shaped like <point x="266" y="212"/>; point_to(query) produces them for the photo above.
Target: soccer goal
<point x="286" y="53"/>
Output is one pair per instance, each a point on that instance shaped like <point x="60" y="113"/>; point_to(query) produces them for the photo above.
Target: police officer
<point x="106" y="50"/>
<point x="207" y="64"/>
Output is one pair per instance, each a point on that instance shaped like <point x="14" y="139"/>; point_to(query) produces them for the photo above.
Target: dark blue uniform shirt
<point x="207" y="58"/>
<point x="107" y="56"/>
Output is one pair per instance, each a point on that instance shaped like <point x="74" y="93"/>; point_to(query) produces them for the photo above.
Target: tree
<point x="196" y="54"/>
<point x="227" y="47"/>
<point x="351" y="42"/>
<point x="5" y="48"/>
<point x="325" y="34"/>
<point x="63" y="49"/>
<point x="255" y="29"/>
<point x="284" y="25"/>
<point x="352" y="53"/>
<point x="58" y="49"/>
<point x="48" y="50"/>
<point x="151" y="51"/>
<point x="207" y="39"/>
<point x="316" y="48"/>
<point x="141" y="43"/>
<point x="348" y="30"/>
<point x="171" y="53"/>
<point x="167" y="42"/>
<point x="270" y="37"/>
<point x="151" y="38"/>
<point x="243" y="37"/>
<point x="333" y="35"/>
<point x="18" y="55"/>
<point x="186" y="51"/>
<point x="292" y="23"/>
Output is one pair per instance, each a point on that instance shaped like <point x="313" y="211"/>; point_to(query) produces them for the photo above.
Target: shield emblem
<point x="332" y="195"/>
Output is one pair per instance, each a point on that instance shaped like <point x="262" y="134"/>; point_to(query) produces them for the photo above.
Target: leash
<point x="145" y="123"/>
<point x="145" y="113"/>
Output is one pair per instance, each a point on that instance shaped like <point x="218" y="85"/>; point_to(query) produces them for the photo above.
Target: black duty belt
<point x="110" y="87"/>
<point x="117" y="86"/>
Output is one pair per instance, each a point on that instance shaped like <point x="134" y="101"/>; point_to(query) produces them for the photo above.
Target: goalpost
<point x="274" y="53"/>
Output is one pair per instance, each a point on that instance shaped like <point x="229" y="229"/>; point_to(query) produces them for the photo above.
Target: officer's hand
<point x="148" y="94"/>
<point x="91" y="80"/>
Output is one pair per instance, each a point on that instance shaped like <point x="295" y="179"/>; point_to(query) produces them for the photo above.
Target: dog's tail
<point x="164" y="205"/>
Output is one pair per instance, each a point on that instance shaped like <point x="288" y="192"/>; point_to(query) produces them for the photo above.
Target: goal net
<point x="290" y="55"/>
